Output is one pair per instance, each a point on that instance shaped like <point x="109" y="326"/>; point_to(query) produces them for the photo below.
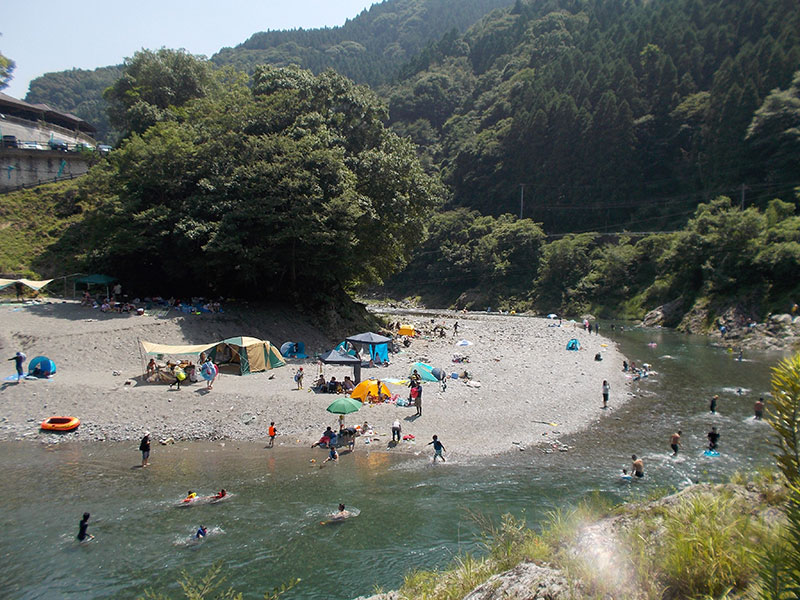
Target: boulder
<point x="667" y="315"/>
<point x="526" y="581"/>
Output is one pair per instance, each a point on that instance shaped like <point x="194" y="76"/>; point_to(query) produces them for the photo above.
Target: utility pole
<point x="521" y="198"/>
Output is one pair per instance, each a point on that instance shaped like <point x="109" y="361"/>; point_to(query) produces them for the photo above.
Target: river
<point x="413" y="514"/>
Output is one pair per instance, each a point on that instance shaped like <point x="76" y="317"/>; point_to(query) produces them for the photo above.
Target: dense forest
<point x="367" y="49"/>
<point x="568" y="155"/>
<point x="604" y="114"/>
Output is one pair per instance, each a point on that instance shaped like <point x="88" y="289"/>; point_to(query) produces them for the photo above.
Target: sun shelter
<point x="425" y="371"/>
<point x="96" y="279"/>
<point x="293" y="350"/>
<point x="378" y="344"/>
<point x="251" y="355"/>
<point x="407" y="330"/>
<point x="573" y="344"/>
<point x="34" y="285"/>
<point x="248" y="354"/>
<point x="369" y="387"/>
<point x="337" y="357"/>
<point x="41" y="366"/>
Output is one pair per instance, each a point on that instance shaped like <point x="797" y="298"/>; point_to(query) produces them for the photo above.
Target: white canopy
<point x="35" y="285"/>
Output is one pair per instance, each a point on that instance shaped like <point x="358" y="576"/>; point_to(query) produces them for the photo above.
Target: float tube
<point x="61" y="423"/>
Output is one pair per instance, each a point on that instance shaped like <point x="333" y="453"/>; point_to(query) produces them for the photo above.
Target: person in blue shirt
<point x="332" y="455"/>
<point x="438" y="448"/>
<point x="201" y="532"/>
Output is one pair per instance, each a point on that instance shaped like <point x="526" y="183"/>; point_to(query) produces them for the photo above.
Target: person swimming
<point x="341" y="514"/>
<point x="190" y="496"/>
<point x="201" y="532"/>
<point x="222" y="493"/>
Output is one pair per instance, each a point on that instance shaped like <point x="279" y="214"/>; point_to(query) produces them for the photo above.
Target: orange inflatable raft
<point x="60" y="423"/>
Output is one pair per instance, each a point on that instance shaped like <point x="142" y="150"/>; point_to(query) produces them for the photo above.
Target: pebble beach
<point x="524" y="388"/>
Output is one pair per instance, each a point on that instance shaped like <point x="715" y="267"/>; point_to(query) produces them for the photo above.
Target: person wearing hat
<point x="19" y="360"/>
<point x="144" y="447"/>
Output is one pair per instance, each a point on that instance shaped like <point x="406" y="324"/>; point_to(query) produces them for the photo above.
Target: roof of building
<point x="20" y="108"/>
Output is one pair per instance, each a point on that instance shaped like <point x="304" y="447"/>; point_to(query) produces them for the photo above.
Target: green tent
<point x="250" y="355"/>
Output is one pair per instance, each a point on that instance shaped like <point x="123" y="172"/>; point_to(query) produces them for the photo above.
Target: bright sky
<point x="43" y="36"/>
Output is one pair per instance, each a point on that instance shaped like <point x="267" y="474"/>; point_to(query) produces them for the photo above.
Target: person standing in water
<point x="712" y="407"/>
<point x="675" y="442"/>
<point x="438" y="448"/>
<point x="606" y="389"/>
<point x="758" y="409"/>
<point x="144" y="448"/>
<point x="83" y="535"/>
<point x="713" y="438"/>
<point x="637" y="466"/>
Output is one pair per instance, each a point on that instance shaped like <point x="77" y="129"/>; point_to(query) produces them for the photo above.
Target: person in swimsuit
<point x="758" y="409"/>
<point x="83" y="535"/>
<point x="675" y="442"/>
<point x="637" y="466"/>
<point x="201" y="532"/>
<point x="272" y="433"/>
<point x="438" y="448"/>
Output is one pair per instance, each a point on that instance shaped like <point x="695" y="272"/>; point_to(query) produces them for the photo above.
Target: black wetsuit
<point x="82" y="527"/>
<point x="713" y="438"/>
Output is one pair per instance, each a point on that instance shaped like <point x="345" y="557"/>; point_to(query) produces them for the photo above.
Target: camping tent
<point x="294" y="350"/>
<point x="424" y="370"/>
<point x="407" y="330"/>
<point x="573" y="344"/>
<point x="249" y="354"/>
<point x="369" y="386"/>
<point x="41" y="366"/>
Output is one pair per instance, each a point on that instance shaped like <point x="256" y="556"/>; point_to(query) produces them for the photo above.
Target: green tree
<point x="152" y="82"/>
<point x="7" y="67"/>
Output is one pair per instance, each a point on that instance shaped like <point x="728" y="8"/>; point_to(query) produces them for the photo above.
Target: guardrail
<point x="25" y="186"/>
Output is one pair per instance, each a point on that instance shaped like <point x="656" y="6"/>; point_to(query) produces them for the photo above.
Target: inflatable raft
<point x="60" y="423"/>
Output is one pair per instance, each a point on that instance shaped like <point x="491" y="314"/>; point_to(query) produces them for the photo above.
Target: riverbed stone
<point x="527" y="581"/>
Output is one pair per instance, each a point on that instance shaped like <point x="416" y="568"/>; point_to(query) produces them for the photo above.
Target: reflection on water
<point x="413" y="513"/>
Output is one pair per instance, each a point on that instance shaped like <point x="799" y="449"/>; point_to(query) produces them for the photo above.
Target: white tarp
<point x="151" y="348"/>
<point x="35" y="285"/>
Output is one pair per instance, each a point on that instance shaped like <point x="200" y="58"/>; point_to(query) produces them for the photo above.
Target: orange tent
<point x="407" y="330"/>
<point x="367" y="387"/>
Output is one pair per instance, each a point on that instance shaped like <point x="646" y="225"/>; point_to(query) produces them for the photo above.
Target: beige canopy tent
<point x="34" y="285"/>
<point x="249" y="354"/>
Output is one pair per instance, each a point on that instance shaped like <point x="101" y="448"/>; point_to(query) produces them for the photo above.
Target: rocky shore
<point x="524" y="387"/>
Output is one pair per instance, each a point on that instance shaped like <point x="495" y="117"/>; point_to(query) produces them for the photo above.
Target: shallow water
<point x="413" y="514"/>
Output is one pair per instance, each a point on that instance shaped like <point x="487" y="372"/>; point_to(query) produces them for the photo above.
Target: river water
<point x="413" y="514"/>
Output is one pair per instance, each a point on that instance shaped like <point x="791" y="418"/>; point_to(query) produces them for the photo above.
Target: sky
<point x="43" y="36"/>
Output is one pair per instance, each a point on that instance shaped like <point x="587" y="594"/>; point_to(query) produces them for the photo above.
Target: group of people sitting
<point x="110" y="304"/>
<point x="333" y="386"/>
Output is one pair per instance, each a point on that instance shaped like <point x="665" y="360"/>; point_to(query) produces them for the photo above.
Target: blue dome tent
<point x="41" y="366"/>
<point x="573" y="344"/>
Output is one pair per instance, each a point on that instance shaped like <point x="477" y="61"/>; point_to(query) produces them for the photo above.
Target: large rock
<point x="667" y="315"/>
<point x="526" y="581"/>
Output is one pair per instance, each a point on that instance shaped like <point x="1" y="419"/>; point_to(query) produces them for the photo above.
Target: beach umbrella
<point x="463" y="343"/>
<point x="552" y="316"/>
<point x="344" y="406"/>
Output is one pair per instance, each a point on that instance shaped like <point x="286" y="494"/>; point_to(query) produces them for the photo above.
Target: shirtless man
<point x="758" y="409"/>
<point x="675" y="441"/>
<point x="637" y="466"/>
